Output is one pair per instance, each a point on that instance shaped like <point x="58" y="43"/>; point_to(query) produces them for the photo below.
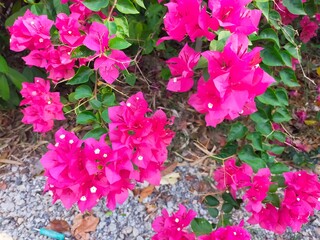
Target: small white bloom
<point x="93" y="189"/>
<point x="62" y="136"/>
<point x="97" y="151"/>
<point x="105" y="155"/>
<point x="128" y="104"/>
<point x="176" y="220"/>
<point x="140" y="158"/>
<point x="83" y="198"/>
<point x="49" y="102"/>
<point x="71" y="141"/>
<point x="210" y="105"/>
<point x="41" y="40"/>
<point x="175" y="80"/>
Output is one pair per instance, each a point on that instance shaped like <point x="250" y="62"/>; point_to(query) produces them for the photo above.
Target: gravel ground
<point x="23" y="207"/>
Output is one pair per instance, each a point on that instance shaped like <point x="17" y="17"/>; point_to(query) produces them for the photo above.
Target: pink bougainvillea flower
<point x="43" y="106"/>
<point x="309" y="29"/>
<point x="30" y="32"/>
<point x="146" y="137"/>
<point x="109" y="66"/>
<point x="258" y="190"/>
<point x="181" y="68"/>
<point x="97" y="38"/>
<point x="173" y="227"/>
<point x="187" y="17"/>
<point x="68" y="27"/>
<point x="232" y="176"/>
<point x="234" y="16"/>
<point x="228" y="233"/>
<point x="235" y="80"/>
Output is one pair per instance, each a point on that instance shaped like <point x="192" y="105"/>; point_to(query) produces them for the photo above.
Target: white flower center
<point x="51" y="186"/>
<point x="175" y="80"/>
<point x="69" y="32"/>
<point x="93" y="189"/>
<point x="299" y="174"/>
<point x="298" y="199"/>
<point x="137" y="98"/>
<point x="83" y="198"/>
<point x="241" y="112"/>
<point x="97" y="151"/>
<point x="140" y="158"/>
<point x="71" y="141"/>
<point x="41" y="40"/>
<point x="210" y="105"/>
<point x="235" y="233"/>
<point x="34" y="93"/>
<point x="105" y="155"/>
<point x="319" y="199"/>
<point x="56" y="145"/>
<point x="49" y="102"/>
<point x="178" y="229"/>
<point x="69" y="53"/>
<point x="176" y="220"/>
<point x="128" y="104"/>
<point x="32" y="22"/>
<point x="62" y="136"/>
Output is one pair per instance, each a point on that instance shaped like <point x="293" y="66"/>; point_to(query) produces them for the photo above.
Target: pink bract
<point x="309" y="29"/>
<point x="171" y="227"/>
<point x="228" y="233"/>
<point x="30" y="32"/>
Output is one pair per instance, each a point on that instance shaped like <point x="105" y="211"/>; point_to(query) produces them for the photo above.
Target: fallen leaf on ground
<point x="171" y="178"/>
<point x="169" y="169"/>
<point x="146" y="192"/>
<point x="3" y="185"/>
<point x="59" y="225"/>
<point x="83" y="224"/>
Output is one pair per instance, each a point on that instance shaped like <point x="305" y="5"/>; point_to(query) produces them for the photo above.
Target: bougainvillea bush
<point x="237" y="59"/>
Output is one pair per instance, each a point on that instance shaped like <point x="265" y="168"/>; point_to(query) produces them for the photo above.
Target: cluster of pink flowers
<point x="146" y="138"/>
<point x="83" y="171"/>
<point x="32" y="32"/>
<point x="235" y="76"/>
<point x="228" y="233"/>
<point x="301" y="197"/>
<point x="43" y="106"/>
<point x="174" y="226"/>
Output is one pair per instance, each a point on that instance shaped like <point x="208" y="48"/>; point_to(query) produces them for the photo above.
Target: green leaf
<point x="109" y="99"/>
<point x="281" y="115"/>
<point x="273" y="199"/>
<point x="259" y="117"/>
<point x="294" y="6"/>
<point x="265" y="128"/>
<point x="256" y="140"/>
<point x="271" y="56"/>
<point x="286" y="58"/>
<point x="264" y="6"/>
<point x="289" y="33"/>
<point x="122" y="25"/>
<point x="82" y="76"/>
<point x="86" y="117"/>
<point x="95" y="5"/>
<point x="140" y="3"/>
<point x="83" y="91"/>
<point x="227" y="207"/>
<point x="275" y="19"/>
<point x="279" y="180"/>
<point x="61" y="8"/>
<point x="282" y="96"/>
<point x="82" y="52"/>
<point x="126" y="7"/>
<point x="4" y="87"/>
<point x="3" y="65"/>
<point x="293" y="51"/>
<point x="213" y="212"/>
<point x="112" y="27"/>
<point x="105" y="116"/>
<point x="95" y="133"/>
<point x="131" y="79"/>
<point x="279" y="168"/>
<point x="288" y="77"/>
<point x="280" y="136"/>
<point x="270" y="34"/>
<point x="276" y="149"/>
<point x="211" y="201"/>
<point x="201" y="226"/>
<point x="95" y="104"/>
<point x="118" y="43"/>
<point x="247" y="155"/>
<point x="228" y="150"/>
<point x="237" y="131"/>
<point x="227" y="197"/>
<point x="16" y="78"/>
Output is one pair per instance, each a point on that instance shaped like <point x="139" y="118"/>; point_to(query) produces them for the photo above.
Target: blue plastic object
<point x="51" y="234"/>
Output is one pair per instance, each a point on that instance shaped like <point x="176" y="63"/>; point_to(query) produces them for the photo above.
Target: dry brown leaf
<point x="151" y="208"/>
<point x="10" y="161"/>
<point x="59" y="225"/>
<point x="3" y="185"/>
<point x="169" y="169"/>
<point x="83" y="224"/>
<point x="146" y="192"/>
<point x="170" y="178"/>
